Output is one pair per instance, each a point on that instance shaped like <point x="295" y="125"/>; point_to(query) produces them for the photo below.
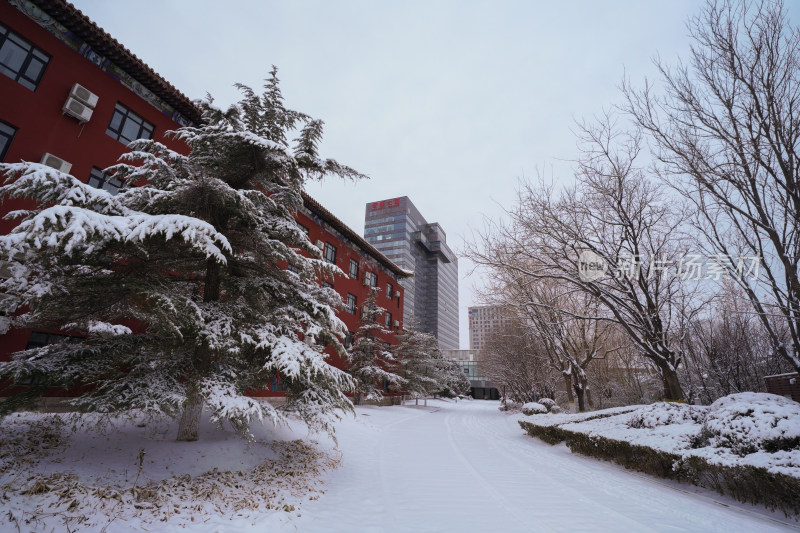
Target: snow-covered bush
<point x="666" y="413"/>
<point x="752" y="421"/>
<point x="533" y="408"/>
<point x="509" y="405"/>
<point x="550" y="404"/>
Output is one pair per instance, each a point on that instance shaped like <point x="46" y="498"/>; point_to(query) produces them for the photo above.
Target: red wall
<point x="41" y="127"/>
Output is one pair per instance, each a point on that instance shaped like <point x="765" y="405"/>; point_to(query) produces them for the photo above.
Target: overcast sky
<point x="448" y="103"/>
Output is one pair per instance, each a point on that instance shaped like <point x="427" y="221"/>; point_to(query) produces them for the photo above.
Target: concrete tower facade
<point x="397" y="229"/>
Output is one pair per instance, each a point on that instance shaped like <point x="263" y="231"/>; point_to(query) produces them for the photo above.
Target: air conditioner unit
<point x="77" y="109"/>
<point x="56" y="162"/>
<point x="396" y="323"/>
<point x="365" y="281"/>
<point x="83" y="95"/>
<point x="320" y="245"/>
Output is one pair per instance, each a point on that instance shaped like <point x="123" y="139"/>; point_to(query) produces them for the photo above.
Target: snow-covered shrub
<point x="752" y="421"/>
<point x="533" y="408"/>
<point x="509" y="405"/>
<point x="549" y="403"/>
<point x="666" y="413"/>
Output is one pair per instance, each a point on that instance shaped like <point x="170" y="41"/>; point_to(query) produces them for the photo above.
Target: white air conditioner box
<point x="83" y="95"/>
<point x="56" y="162"/>
<point x="320" y="245"/>
<point x="77" y="109"/>
<point x="397" y="323"/>
<point x="365" y="281"/>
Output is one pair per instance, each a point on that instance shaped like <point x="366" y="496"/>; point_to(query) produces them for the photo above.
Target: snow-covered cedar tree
<point x="174" y="293"/>
<point x="424" y="367"/>
<point x="370" y="361"/>
<point x="418" y="357"/>
<point x="454" y="381"/>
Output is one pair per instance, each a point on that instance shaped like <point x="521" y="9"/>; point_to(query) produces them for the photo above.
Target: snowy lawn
<point x="134" y="476"/>
<point x="447" y="467"/>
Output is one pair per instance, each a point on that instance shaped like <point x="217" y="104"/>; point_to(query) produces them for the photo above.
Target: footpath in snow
<point x="449" y="467"/>
<point x="468" y="467"/>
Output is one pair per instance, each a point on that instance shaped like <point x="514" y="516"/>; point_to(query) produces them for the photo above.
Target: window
<point x="7" y="132"/>
<point x="103" y="180"/>
<point x="39" y="340"/>
<point x="371" y="279"/>
<point x="389" y="291"/>
<point x="348" y="340"/>
<point x="20" y="60"/>
<point x="351" y="304"/>
<point x="330" y="253"/>
<point x="354" y="269"/>
<point x="387" y="320"/>
<point x="294" y="268"/>
<point x="127" y="126"/>
<point x="327" y="285"/>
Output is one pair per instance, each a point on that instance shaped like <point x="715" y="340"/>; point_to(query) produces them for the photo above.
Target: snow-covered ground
<point x="466" y="467"/>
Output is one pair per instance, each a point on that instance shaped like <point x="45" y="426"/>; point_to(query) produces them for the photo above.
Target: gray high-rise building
<point x="397" y="229"/>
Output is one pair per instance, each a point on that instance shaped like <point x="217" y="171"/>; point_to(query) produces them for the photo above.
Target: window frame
<point x="104" y="178"/>
<point x="354" y="263"/>
<point x="330" y="258"/>
<point x="9" y="138"/>
<point x="389" y="290"/>
<point x="351" y="305"/>
<point x="21" y="76"/>
<point x="387" y="319"/>
<point x="128" y="114"/>
<point x="372" y="279"/>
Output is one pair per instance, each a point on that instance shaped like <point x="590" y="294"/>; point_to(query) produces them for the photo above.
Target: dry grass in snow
<point x="131" y="475"/>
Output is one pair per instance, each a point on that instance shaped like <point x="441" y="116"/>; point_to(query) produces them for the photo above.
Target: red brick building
<point x="73" y="97"/>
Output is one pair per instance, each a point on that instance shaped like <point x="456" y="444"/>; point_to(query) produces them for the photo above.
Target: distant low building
<point x="480" y="386"/>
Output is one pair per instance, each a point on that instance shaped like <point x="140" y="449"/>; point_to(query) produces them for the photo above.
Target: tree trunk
<point x="189" y="423"/>
<point x="568" y="386"/>
<point x="672" y="387"/>
<point x="579" y="394"/>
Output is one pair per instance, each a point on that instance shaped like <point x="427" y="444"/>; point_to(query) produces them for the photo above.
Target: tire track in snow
<point x="616" y="482"/>
<point x="555" y="504"/>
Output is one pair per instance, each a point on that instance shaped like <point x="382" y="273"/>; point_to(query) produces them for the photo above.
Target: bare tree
<point x="619" y="216"/>
<point x="728" y="350"/>
<point x="517" y="363"/>
<point x="727" y="134"/>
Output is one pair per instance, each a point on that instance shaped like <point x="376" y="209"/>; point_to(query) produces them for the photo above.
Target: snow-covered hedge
<point x="664" y="414"/>
<point x="749" y="421"/>
<point x="533" y="408"/>
<point x="745" y="445"/>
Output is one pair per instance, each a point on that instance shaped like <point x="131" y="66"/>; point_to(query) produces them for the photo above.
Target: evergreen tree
<point x="175" y="290"/>
<point x="420" y="362"/>
<point x="454" y="381"/>
<point x="424" y="368"/>
<point x="371" y="364"/>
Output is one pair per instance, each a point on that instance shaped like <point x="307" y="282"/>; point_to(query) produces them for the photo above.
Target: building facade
<point x="73" y="98"/>
<point x="469" y="361"/>
<point x="396" y="228"/>
<point x="483" y="322"/>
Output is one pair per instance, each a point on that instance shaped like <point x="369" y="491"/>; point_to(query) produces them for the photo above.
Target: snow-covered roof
<point x="317" y="208"/>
